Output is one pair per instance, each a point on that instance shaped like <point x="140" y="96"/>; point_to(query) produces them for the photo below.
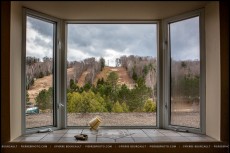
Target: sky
<point x="111" y="41"/>
<point x="39" y="38"/>
<point x="184" y="37"/>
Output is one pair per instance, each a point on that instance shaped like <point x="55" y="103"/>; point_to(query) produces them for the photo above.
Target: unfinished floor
<point x="114" y="136"/>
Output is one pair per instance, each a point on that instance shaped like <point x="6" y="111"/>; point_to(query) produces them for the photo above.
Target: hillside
<point x="39" y="85"/>
<point x="122" y="74"/>
<point x="46" y="82"/>
<point x="81" y="81"/>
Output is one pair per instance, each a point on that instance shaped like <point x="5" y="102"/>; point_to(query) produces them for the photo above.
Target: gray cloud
<point x="39" y="41"/>
<point x="185" y="39"/>
<point x="114" y="40"/>
<point x="42" y="27"/>
<point x="125" y="39"/>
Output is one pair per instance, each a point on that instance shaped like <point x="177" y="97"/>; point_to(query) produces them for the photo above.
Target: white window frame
<point x="56" y="70"/>
<point x="163" y="69"/>
<point x="64" y="58"/>
<point x="166" y="72"/>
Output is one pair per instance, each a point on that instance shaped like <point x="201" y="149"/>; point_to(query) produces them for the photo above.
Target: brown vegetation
<point x="123" y="77"/>
<point x="39" y="85"/>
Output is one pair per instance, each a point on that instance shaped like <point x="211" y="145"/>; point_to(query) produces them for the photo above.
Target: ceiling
<point x="113" y="10"/>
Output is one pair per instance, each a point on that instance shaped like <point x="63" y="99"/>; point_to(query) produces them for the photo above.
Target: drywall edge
<point x="15" y="69"/>
<point x="212" y="40"/>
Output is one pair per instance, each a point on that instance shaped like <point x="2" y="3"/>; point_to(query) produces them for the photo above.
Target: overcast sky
<point x="39" y="38"/>
<point x="111" y="41"/>
<point x="184" y="38"/>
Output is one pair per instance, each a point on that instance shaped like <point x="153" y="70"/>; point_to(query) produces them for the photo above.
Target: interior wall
<point x="113" y="10"/>
<point x="15" y="69"/>
<point x="213" y="99"/>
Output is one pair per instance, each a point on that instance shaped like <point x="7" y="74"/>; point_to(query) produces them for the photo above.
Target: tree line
<point x="105" y="96"/>
<point x="37" y="69"/>
<point x="185" y="80"/>
<point x="108" y="96"/>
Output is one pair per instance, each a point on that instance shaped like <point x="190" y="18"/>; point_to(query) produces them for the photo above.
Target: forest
<point x="107" y="94"/>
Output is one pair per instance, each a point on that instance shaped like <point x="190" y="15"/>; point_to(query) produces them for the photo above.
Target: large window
<point x="39" y="72"/>
<point x="113" y="70"/>
<point x="112" y="73"/>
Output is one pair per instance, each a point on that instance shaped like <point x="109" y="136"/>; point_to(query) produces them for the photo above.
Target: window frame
<point x="56" y="70"/>
<point x="163" y="62"/>
<point x="167" y="72"/>
<point x="64" y="58"/>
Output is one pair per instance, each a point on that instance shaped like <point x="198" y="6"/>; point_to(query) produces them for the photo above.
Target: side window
<point x="39" y="72"/>
<point x="184" y="39"/>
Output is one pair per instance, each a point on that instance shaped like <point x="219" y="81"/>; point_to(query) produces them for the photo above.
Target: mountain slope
<point x="122" y="74"/>
<point x="46" y="82"/>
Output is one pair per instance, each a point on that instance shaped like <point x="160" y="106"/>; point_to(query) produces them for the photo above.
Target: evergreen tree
<point x="44" y="99"/>
<point x="117" y="108"/>
<point x="102" y="62"/>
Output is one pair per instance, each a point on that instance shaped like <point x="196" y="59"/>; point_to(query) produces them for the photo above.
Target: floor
<point x="114" y="136"/>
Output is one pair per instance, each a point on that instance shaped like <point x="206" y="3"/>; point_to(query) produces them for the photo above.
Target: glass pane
<point x="39" y="72"/>
<point x="185" y="73"/>
<point x="111" y="73"/>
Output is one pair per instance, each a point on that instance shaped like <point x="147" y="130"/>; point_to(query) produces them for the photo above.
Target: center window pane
<point x="112" y="73"/>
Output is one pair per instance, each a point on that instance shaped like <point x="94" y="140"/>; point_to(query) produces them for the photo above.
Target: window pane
<point x="185" y="73"/>
<point x="111" y="73"/>
<point x="39" y="72"/>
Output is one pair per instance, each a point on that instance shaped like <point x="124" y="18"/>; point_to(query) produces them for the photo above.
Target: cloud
<point x="110" y="57"/>
<point x="108" y="40"/>
<point x="113" y="40"/>
<point x="38" y="43"/>
<point x="77" y="55"/>
<point x="44" y="28"/>
<point x="185" y="39"/>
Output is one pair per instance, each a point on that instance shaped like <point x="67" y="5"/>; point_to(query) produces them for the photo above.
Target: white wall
<point x="15" y="69"/>
<point x="213" y="99"/>
<point x="113" y="10"/>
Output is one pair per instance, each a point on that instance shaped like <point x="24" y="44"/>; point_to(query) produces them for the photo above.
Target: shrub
<point x="72" y="85"/>
<point x="41" y="75"/>
<point x="134" y="76"/>
<point x="44" y="99"/>
<point x="102" y="62"/>
<point x="117" y="108"/>
<point x="27" y="96"/>
<point x="125" y="107"/>
<point x="112" y="79"/>
<point x="73" y="100"/>
<point x="109" y="104"/>
<point x="85" y="102"/>
<point x="150" y="106"/>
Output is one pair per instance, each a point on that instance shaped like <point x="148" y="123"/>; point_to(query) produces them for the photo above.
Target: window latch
<point x="60" y="105"/>
<point x="166" y="106"/>
<point x="59" y="44"/>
